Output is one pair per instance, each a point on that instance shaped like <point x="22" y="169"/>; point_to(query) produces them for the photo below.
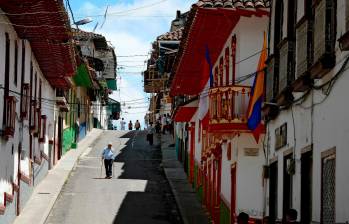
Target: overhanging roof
<point x="45" y="24"/>
<point x="205" y="27"/>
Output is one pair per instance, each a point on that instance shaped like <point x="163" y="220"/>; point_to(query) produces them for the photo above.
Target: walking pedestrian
<point x="137" y="125"/>
<point x="108" y="157"/>
<point x="130" y="125"/>
<point x="158" y="127"/>
<point x="150" y="134"/>
<point x="122" y="124"/>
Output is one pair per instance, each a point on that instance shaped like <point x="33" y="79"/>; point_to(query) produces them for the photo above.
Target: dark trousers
<point x="108" y="164"/>
<point x="150" y="138"/>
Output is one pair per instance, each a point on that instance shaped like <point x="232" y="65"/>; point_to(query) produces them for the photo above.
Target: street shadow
<point x="156" y="205"/>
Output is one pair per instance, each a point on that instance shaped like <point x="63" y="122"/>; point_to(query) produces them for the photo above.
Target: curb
<point x="44" y="214"/>
<point x="174" y="192"/>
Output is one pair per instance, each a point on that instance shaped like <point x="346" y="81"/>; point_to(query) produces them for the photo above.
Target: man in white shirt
<point x="122" y="124"/>
<point x="108" y="156"/>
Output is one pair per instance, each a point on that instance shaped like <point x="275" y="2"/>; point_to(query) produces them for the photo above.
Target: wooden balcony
<point x="61" y="100"/>
<point x="228" y="107"/>
<point x="153" y="81"/>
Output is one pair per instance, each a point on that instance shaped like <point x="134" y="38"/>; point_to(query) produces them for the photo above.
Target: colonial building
<point x="157" y="77"/>
<point x="215" y="68"/>
<point x="306" y="110"/>
<point x="99" y="75"/>
<point x="36" y="63"/>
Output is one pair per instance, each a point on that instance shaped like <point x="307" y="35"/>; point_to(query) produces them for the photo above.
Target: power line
<point x="134" y="55"/>
<point x="130" y="10"/>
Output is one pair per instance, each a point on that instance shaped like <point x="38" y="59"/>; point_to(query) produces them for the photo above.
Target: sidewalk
<point x="186" y="198"/>
<point x="45" y="194"/>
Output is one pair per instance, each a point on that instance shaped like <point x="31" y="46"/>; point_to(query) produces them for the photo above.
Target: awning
<point x="184" y="114"/>
<point x="111" y="83"/>
<point x="209" y="27"/>
<point x="82" y="77"/>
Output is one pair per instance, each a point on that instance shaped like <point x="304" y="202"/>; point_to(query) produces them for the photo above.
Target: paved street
<point x="138" y="192"/>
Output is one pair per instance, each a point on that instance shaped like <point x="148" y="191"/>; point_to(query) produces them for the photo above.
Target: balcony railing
<point x="229" y="104"/>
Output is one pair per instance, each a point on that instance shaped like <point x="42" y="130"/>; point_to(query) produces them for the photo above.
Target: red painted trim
<point x="2" y="209"/>
<point x="37" y="160"/>
<point x="15" y="187"/>
<point x="43" y="155"/>
<point x="230" y="127"/>
<point x="8" y="198"/>
<point x="25" y="178"/>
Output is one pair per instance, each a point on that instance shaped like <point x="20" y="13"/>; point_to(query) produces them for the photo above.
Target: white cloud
<point x="131" y="33"/>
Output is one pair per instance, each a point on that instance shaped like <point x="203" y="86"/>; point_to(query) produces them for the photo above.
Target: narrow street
<point x="138" y="192"/>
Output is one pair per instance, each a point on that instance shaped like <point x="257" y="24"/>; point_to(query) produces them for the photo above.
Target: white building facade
<point x="307" y="111"/>
<point x="28" y="113"/>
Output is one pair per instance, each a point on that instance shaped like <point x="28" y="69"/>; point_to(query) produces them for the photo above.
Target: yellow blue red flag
<point x="254" y="113"/>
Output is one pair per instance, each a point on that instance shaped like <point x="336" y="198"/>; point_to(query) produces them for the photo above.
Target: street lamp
<point x="83" y="21"/>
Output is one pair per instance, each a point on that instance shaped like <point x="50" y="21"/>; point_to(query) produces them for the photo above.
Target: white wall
<point x="249" y="177"/>
<point x="9" y="157"/>
<point x="249" y="40"/>
<point x="328" y="127"/>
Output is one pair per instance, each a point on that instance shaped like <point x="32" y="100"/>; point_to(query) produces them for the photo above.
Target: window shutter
<point x="272" y="79"/>
<point x="325" y="33"/>
<point x="302" y="49"/>
<point x="319" y="30"/>
<point x="287" y="62"/>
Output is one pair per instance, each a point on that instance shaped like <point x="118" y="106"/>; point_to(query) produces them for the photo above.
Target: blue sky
<point x="130" y="26"/>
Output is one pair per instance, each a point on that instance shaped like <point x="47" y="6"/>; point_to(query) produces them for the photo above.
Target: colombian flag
<point x="208" y="66"/>
<point x="255" y="106"/>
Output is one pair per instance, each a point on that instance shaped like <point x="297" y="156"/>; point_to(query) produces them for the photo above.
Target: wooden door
<point x="233" y="193"/>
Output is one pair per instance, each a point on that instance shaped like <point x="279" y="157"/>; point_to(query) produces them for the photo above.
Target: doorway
<point x="233" y="193"/>
<point x="287" y="185"/>
<point x="306" y="187"/>
<point x="273" y="191"/>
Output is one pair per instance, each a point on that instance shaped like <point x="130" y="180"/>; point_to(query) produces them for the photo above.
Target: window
<point x="37" y="123"/>
<point x="325" y="33"/>
<point x="328" y="186"/>
<point x="10" y="116"/>
<point x="281" y="136"/>
<point x="40" y="93"/>
<point x="221" y="71"/>
<point x="7" y="74"/>
<point x="15" y="78"/>
<point x="287" y="49"/>
<point x="42" y="137"/>
<point x="227" y="66"/>
<point x="23" y="61"/>
<point x="278" y="22"/>
<point x="215" y="83"/>
<point x="32" y="115"/>
<point x="233" y="57"/>
<point x="25" y="100"/>
<point x="35" y="85"/>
